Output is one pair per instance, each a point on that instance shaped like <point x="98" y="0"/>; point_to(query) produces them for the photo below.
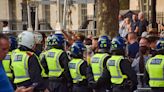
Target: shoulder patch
<point x="156" y="61"/>
<point x="18" y="58"/>
<point x="30" y="53"/>
<point x="72" y="65"/>
<point x="8" y="57"/>
<point x="51" y="54"/>
<point x="111" y="62"/>
<point x="95" y="60"/>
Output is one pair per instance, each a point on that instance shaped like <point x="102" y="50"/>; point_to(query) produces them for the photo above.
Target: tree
<point x="107" y="17"/>
<point x="124" y="4"/>
<point x="153" y="14"/>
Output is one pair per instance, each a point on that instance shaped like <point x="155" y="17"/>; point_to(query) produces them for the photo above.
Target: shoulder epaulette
<point x="30" y="53"/>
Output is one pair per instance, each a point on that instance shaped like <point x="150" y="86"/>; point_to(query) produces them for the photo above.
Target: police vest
<point x="74" y="67"/>
<point x="97" y="64"/>
<point x="155" y="69"/>
<point x="7" y="65"/>
<point x="113" y="66"/>
<point x="43" y="74"/>
<point x="42" y="55"/>
<point x="52" y="59"/>
<point x="20" y="65"/>
<point x="20" y="58"/>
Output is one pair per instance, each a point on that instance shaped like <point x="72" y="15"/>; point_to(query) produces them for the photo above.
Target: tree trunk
<point x="124" y="4"/>
<point x="107" y="17"/>
<point x="153" y="14"/>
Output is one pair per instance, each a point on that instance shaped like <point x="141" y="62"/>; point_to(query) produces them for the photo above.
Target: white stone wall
<point x="134" y="5"/>
<point x="4" y="10"/>
<point x="160" y="6"/>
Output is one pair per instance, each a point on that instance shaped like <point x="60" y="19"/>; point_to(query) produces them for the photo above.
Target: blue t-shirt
<point x="5" y="85"/>
<point x="133" y="49"/>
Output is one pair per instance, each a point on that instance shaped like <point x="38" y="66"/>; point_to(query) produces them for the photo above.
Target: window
<point x="83" y="13"/>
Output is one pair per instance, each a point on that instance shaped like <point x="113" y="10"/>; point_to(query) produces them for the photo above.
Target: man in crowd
<point x="5" y="85"/>
<point x="133" y="46"/>
<point x="143" y="23"/>
<point x="134" y="23"/>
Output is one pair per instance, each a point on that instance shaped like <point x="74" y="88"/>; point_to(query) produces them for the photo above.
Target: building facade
<point x="49" y="14"/>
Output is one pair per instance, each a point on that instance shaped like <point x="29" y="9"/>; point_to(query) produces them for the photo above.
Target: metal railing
<point x="139" y="86"/>
<point x="83" y="31"/>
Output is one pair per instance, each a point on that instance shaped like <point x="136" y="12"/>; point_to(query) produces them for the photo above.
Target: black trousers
<point x="78" y="88"/>
<point x="158" y="89"/>
<point x="121" y="89"/>
<point x="56" y="86"/>
<point x="102" y="89"/>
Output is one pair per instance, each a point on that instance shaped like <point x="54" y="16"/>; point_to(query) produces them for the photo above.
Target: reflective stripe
<point x="78" y="71"/>
<point x="116" y="76"/>
<point x="6" y="65"/>
<point x="53" y="63"/>
<point x="21" y="77"/>
<point x="25" y="65"/>
<point x="54" y="70"/>
<point x="155" y="69"/>
<point x="74" y="67"/>
<point x="20" y="66"/>
<point x="97" y="62"/>
<point x="113" y="66"/>
<point x="161" y="79"/>
<point x="101" y="63"/>
<point x="118" y="72"/>
<point x="97" y="74"/>
<point x="58" y="64"/>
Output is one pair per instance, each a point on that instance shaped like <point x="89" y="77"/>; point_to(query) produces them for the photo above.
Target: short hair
<point x="81" y="37"/>
<point x="152" y="38"/>
<point x="5" y="22"/>
<point x="133" y="35"/>
<point x="95" y="38"/>
<point x="3" y="36"/>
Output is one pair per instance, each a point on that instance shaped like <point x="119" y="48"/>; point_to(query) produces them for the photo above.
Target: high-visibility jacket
<point x="52" y="58"/>
<point x="113" y="66"/>
<point x="42" y="55"/>
<point x="97" y="64"/>
<point x="7" y="65"/>
<point x="20" y="65"/>
<point x="155" y="69"/>
<point x="74" y="67"/>
<point x="43" y="74"/>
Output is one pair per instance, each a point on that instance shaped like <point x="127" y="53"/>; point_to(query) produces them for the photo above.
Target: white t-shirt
<point x="5" y="29"/>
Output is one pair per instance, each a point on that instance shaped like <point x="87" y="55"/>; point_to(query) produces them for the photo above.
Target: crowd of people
<point x="73" y="62"/>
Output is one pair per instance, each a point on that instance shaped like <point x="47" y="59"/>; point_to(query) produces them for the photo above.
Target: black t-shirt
<point x="134" y="25"/>
<point x="142" y="26"/>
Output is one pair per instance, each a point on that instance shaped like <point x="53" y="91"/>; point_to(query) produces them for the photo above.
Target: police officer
<point x="98" y="62"/>
<point x="55" y="62"/>
<point x="25" y="64"/>
<point x="7" y="61"/>
<point x="154" y="69"/>
<point x="78" y="68"/>
<point x="123" y="78"/>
